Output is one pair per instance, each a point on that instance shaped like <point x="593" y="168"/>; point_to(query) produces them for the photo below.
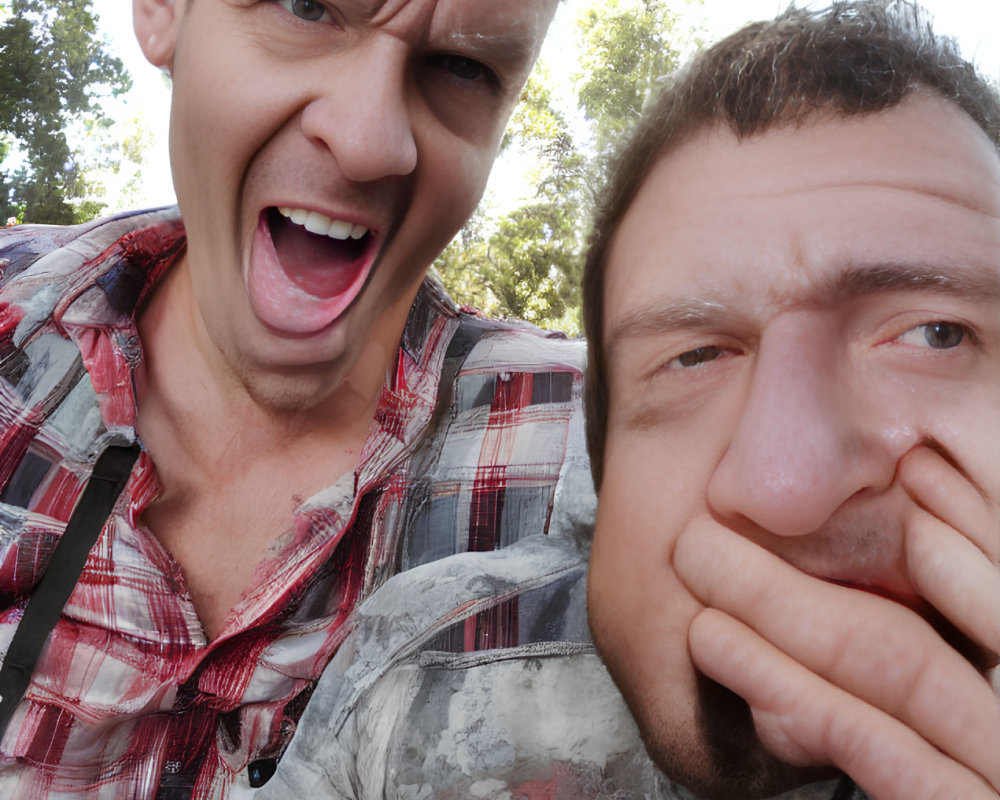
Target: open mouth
<point x="321" y="255"/>
<point x="307" y="268"/>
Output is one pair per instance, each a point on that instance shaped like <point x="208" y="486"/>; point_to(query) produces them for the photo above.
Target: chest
<point x="224" y="533"/>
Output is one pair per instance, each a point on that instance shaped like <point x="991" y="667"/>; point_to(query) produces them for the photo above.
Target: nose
<point x="809" y="437"/>
<point x="360" y="111"/>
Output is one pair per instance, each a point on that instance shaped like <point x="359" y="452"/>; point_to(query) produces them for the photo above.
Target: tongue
<point x="300" y="283"/>
<point x="319" y="265"/>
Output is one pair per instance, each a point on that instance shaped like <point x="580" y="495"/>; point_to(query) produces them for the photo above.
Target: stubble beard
<point x="721" y="758"/>
<point x="718" y="754"/>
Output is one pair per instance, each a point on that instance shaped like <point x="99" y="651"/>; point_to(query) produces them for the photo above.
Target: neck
<point x="237" y="451"/>
<point x="198" y="412"/>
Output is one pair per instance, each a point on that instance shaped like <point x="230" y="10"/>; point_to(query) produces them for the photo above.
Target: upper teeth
<point x="314" y="222"/>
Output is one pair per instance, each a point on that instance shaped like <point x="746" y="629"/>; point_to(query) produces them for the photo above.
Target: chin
<point x="289" y="396"/>
<point x="288" y="390"/>
<point x="717" y="755"/>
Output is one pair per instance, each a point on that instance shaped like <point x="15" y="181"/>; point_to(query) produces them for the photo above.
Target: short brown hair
<point x="851" y="58"/>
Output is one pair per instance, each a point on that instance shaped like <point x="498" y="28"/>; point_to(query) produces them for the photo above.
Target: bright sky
<point x="975" y="23"/>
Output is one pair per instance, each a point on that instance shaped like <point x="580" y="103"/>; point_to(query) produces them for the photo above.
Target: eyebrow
<point x="852" y="282"/>
<point x="868" y="279"/>
<point x="663" y="317"/>
<point x="508" y="47"/>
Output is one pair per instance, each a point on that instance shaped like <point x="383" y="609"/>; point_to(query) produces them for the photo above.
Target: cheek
<point x="647" y="498"/>
<point x="217" y="125"/>
<point x="461" y="166"/>
<point x="449" y="182"/>
<point x="969" y="431"/>
<point x="203" y="149"/>
<point x="653" y="485"/>
<point x="961" y="416"/>
<point x="639" y="611"/>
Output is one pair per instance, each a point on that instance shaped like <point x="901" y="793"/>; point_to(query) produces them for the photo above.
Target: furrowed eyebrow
<point x="664" y="317"/>
<point x="982" y="285"/>
<point x="977" y="284"/>
<point x="511" y="45"/>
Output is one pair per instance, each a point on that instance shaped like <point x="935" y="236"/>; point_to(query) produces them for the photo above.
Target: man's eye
<point x="696" y="357"/>
<point x="310" y="10"/>
<point x="466" y="69"/>
<point x="938" y="335"/>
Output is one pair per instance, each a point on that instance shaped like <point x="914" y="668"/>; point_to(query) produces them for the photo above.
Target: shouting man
<point x="332" y="461"/>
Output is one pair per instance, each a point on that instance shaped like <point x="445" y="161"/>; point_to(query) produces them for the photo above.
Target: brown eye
<point x="466" y="69"/>
<point x="700" y="355"/>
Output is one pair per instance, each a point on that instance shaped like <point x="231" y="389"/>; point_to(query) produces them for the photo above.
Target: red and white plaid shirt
<point x="129" y="699"/>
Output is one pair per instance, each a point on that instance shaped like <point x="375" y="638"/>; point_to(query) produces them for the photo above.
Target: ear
<point x="156" y="23"/>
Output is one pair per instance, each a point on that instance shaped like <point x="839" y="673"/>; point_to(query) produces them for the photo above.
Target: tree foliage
<point x="625" y="53"/>
<point x="55" y="68"/>
<point x="527" y="262"/>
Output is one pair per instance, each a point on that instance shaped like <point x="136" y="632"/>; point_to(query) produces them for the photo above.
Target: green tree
<point x="627" y="51"/>
<point x="113" y="153"/>
<point x="54" y="71"/>
<point x="527" y="263"/>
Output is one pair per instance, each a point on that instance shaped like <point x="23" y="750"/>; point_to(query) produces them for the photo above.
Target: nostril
<point x="786" y="488"/>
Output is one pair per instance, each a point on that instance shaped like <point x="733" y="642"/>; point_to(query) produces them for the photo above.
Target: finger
<point x="804" y="720"/>
<point x="871" y="647"/>
<point x="940" y="488"/>
<point x="956" y="577"/>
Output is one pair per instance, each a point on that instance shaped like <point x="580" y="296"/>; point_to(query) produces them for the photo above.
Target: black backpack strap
<point x="49" y="596"/>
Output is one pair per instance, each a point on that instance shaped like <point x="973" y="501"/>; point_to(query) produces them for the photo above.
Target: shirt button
<point x="260" y="771"/>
